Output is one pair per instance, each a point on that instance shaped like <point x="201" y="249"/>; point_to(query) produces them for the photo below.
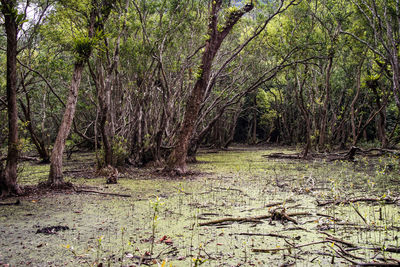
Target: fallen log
<point x="254" y="218"/>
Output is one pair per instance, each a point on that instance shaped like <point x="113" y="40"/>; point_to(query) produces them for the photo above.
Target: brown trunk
<point x="352" y="108"/>
<point x="253" y="137"/>
<point x="304" y="111"/>
<point x="8" y="181"/>
<point x="56" y="175"/>
<point x="324" y="119"/>
<point x="104" y="89"/>
<point x="177" y="159"/>
<point x="104" y="98"/>
<point x="39" y="143"/>
<point x="381" y="124"/>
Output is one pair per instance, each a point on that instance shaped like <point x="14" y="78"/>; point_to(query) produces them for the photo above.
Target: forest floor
<point x="238" y="209"/>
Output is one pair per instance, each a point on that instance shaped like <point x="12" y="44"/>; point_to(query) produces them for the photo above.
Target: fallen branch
<point x="261" y="250"/>
<point x="348" y="201"/>
<point x="337" y="240"/>
<point x="282" y="156"/>
<point x="101" y="193"/>
<point x="359" y="214"/>
<point x="260" y="234"/>
<point x="22" y="158"/>
<point x="16" y="203"/>
<point x="252" y="219"/>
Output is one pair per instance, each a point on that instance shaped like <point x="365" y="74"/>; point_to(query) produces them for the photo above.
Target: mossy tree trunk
<point x="8" y="178"/>
<point x="56" y="175"/>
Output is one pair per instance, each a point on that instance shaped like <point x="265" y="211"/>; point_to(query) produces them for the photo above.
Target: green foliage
<point x="265" y="101"/>
<point x="120" y="150"/>
<point x="83" y="47"/>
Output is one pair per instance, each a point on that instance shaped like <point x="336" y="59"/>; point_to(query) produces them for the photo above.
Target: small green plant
<point x="99" y="248"/>
<point x="198" y="261"/>
<point x="156" y="209"/>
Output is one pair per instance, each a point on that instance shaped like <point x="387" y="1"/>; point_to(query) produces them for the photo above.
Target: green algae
<point x="236" y="183"/>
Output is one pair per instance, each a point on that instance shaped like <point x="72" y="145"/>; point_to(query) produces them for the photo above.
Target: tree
<point x="382" y="23"/>
<point x="99" y="12"/>
<point x="8" y="180"/>
<point x="217" y="34"/>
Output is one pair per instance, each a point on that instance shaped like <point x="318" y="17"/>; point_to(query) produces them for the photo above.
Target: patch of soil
<point x="51" y="230"/>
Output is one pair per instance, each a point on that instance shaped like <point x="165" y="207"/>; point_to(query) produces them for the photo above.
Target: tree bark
<point x="56" y="175"/>
<point x="381" y="123"/>
<point x="352" y="108"/>
<point x="177" y="159"/>
<point x="8" y="181"/>
<point x="324" y="119"/>
<point x="304" y="111"/>
<point x="104" y="97"/>
<point x="39" y="143"/>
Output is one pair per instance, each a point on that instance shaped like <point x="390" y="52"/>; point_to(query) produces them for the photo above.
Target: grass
<point x="236" y="183"/>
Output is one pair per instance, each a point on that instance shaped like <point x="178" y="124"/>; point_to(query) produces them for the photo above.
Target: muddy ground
<point x="239" y="209"/>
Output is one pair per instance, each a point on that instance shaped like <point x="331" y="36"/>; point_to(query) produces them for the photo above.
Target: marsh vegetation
<point x="238" y="208"/>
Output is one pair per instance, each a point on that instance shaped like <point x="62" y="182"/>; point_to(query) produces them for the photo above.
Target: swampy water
<point x="239" y="208"/>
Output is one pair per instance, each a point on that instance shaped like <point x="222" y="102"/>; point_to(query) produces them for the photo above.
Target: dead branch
<point x="359" y="214"/>
<point x="261" y="234"/>
<point x="22" y="158"/>
<point x="282" y="156"/>
<point x="252" y="219"/>
<point x="261" y="250"/>
<point x="16" y="203"/>
<point x="101" y="193"/>
<point x="348" y="201"/>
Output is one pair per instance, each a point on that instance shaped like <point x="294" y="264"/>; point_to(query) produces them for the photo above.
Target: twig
<point x="101" y="193"/>
<point x="344" y="252"/>
<point x="359" y="214"/>
<point x="261" y="250"/>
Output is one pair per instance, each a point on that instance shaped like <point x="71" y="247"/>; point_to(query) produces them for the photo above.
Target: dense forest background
<point x="152" y="81"/>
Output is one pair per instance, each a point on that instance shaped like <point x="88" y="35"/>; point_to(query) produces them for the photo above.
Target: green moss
<point x="238" y="183"/>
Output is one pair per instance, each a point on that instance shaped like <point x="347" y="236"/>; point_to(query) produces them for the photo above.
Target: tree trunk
<point x="352" y="108"/>
<point x="304" y="111"/>
<point x="324" y="119"/>
<point x="177" y="159"/>
<point x="39" y="143"/>
<point x="56" y="175"/>
<point x="8" y="181"/>
<point x="104" y="97"/>
<point x="381" y="123"/>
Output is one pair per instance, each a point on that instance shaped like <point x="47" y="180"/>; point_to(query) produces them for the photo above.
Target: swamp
<point x="237" y="208"/>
